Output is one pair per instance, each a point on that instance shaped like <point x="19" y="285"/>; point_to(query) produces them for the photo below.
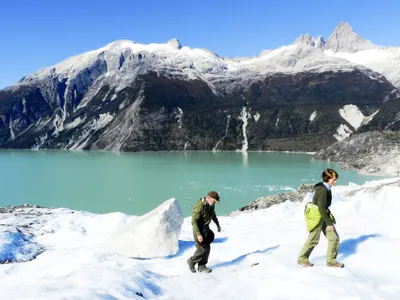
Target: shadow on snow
<point x="349" y="247"/>
<point x="241" y="258"/>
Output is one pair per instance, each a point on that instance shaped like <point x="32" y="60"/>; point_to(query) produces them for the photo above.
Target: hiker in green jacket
<point x="323" y="199"/>
<point x="203" y="213"/>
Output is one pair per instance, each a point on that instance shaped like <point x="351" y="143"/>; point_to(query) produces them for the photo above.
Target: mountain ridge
<point x="127" y="96"/>
<point x="305" y="54"/>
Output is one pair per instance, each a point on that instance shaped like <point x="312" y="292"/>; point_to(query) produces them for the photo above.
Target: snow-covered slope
<point x="385" y="60"/>
<point x="293" y="59"/>
<point x="122" y="61"/>
<point x="254" y="257"/>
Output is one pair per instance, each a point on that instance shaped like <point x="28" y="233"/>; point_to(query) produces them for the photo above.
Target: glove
<point x="218" y="228"/>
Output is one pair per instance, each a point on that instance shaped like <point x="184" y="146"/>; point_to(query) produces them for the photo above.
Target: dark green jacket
<point x="323" y="199"/>
<point x="202" y="215"/>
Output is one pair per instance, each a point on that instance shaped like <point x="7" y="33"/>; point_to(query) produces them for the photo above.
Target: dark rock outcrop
<point x="387" y="118"/>
<point x="265" y="202"/>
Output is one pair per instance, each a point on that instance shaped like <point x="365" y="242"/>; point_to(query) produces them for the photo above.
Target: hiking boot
<point x="335" y="265"/>
<point x="203" y="268"/>
<point x="305" y="263"/>
<point x="191" y="265"/>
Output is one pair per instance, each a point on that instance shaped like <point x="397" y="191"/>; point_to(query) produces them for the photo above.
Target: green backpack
<point x="313" y="217"/>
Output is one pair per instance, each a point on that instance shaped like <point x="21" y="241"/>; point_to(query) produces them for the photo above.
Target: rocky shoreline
<point x="25" y="217"/>
<point x="265" y="202"/>
<point x="369" y="153"/>
<point x="299" y="194"/>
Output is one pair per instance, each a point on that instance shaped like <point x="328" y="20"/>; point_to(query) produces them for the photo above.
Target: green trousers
<point x="313" y="240"/>
<point x="201" y="254"/>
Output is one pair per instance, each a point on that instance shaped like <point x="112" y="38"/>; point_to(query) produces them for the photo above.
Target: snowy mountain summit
<point x="306" y="39"/>
<point x="344" y="39"/>
<point x="174" y="43"/>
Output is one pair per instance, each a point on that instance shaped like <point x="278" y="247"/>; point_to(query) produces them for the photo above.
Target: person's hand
<point x="200" y="238"/>
<point x="330" y="228"/>
<point x="218" y="228"/>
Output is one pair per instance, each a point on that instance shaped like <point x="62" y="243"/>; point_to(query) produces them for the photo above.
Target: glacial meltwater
<point x="135" y="183"/>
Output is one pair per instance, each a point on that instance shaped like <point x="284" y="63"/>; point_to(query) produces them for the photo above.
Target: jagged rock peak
<point x="306" y="39"/>
<point x="344" y="39"/>
<point x="174" y="43"/>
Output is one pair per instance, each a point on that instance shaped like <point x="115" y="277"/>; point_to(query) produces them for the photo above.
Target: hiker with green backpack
<point x="320" y="219"/>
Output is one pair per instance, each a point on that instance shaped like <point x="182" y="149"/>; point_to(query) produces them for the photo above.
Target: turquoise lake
<point x="135" y="183"/>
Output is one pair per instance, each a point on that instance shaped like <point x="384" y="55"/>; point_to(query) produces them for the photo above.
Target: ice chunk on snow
<point x="154" y="234"/>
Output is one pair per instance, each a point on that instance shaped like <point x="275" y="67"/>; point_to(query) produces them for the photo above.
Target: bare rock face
<point x="154" y="234"/>
<point x="375" y="153"/>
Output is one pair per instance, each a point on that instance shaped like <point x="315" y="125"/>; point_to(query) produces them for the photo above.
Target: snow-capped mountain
<point x="346" y="44"/>
<point x="306" y="39"/>
<point x="132" y="97"/>
<point x="344" y="39"/>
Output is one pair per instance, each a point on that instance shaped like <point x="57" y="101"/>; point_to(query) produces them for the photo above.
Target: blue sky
<point x="39" y="33"/>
